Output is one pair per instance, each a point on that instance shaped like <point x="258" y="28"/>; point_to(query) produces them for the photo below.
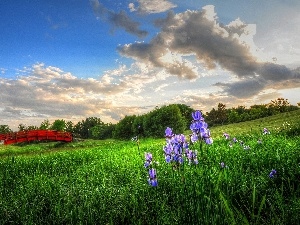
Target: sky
<point x="76" y="59"/>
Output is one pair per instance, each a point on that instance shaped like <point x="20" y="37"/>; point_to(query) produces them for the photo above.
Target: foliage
<point x="186" y="112"/>
<point x="83" y="128"/>
<point x="59" y="125"/>
<point x="241" y="113"/>
<point x="45" y="125"/>
<point x="4" y="129"/>
<point x="103" y="131"/>
<point x="123" y="129"/>
<point x="156" y="121"/>
<point x="218" y="116"/>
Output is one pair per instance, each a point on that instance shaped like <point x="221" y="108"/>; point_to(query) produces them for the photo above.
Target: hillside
<point x="273" y="123"/>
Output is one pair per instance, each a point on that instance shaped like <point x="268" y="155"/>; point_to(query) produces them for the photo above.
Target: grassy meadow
<point x="105" y="182"/>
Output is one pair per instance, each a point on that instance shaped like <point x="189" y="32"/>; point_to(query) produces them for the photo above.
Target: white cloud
<point x="155" y="6"/>
<point x="199" y="34"/>
<point x="131" y="7"/>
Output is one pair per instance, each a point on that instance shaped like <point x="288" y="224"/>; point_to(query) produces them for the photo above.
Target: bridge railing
<point x="35" y="135"/>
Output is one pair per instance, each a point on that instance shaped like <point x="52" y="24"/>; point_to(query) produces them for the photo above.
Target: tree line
<point x="154" y="123"/>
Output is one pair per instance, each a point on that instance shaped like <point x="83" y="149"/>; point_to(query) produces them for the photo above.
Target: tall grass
<point x="105" y="182"/>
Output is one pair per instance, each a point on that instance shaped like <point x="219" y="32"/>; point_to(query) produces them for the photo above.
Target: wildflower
<point x="174" y="147"/>
<point x="234" y="140"/>
<point x="197" y="115"/>
<point x="192" y="156"/>
<point x="199" y="128"/>
<point x="168" y="132"/>
<point x="208" y="140"/>
<point x="194" y="138"/>
<point x="272" y="173"/>
<point x="266" y="131"/>
<point x="259" y="141"/>
<point x="222" y="164"/>
<point x="148" y="158"/>
<point x="230" y="144"/>
<point x="152" y="178"/>
<point x="227" y="136"/>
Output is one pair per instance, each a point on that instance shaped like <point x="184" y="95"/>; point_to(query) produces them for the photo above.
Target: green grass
<point x="274" y="123"/>
<point x="104" y="182"/>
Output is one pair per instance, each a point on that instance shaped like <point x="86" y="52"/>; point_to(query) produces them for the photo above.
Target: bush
<point x="156" y="121"/>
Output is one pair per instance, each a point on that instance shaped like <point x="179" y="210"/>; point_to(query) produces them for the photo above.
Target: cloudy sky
<point x="75" y="59"/>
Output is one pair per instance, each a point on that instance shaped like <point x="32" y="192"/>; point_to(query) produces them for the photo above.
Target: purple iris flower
<point x="148" y="160"/>
<point x="194" y="137"/>
<point x="152" y="173"/>
<point x="197" y="115"/>
<point x="146" y="164"/>
<point x="272" y="173"/>
<point x="153" y="182"/>
<point x="148" y="156"/>
<point x="169" y="132"/>
<point x="152" y="178"/>
<point x="168" y="149"/>
<point x="168" y="158"/>
<point x="208" y="141"/>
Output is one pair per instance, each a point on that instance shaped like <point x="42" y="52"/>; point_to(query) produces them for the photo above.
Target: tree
<point x="156" y="122"/>
<point x="4" y="129"/>
<point x="279" y="104"/>
<point x="218" y="116"/>
<point x="137" y="125"/>
<point x="103" y="131"/>
<point x="59" y="125"/>
<point x="123" y="129"/>
<point x="83" y="128"/>
<point x="186" y="112"/>
<point x="69" y="126"/>
<point x="233" y="116"/>
<point x="45" y="125"/>
<point x="22" y="127"/>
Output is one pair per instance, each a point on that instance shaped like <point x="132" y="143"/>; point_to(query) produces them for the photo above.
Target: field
<point x="105" y="182"/>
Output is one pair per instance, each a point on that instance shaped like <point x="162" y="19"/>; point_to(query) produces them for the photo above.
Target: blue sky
<point x="108" y="58"/>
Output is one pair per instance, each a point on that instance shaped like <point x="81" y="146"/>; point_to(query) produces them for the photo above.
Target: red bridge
<point x="35" y="135"/>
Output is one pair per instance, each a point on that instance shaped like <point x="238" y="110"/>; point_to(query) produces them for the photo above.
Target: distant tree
<point x="59" y="125"/>
<point x="233" y="116"/>
<point x="69" y="126"/>
<point x="279" y="105"/>
<point x="218" y="116"/>
<point x="45" y="125"/>
<point x="137" y="126"/>
<point x="4" y="129"/>
<point x="22" y="127"/>
<point x="124" y="128"/>
<point x="101" y="132"/>
<point x="158" y="120"/>
<point x="258" y="111"/>
<point x="186" y="112"/>
<point x="83" y="128"/>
